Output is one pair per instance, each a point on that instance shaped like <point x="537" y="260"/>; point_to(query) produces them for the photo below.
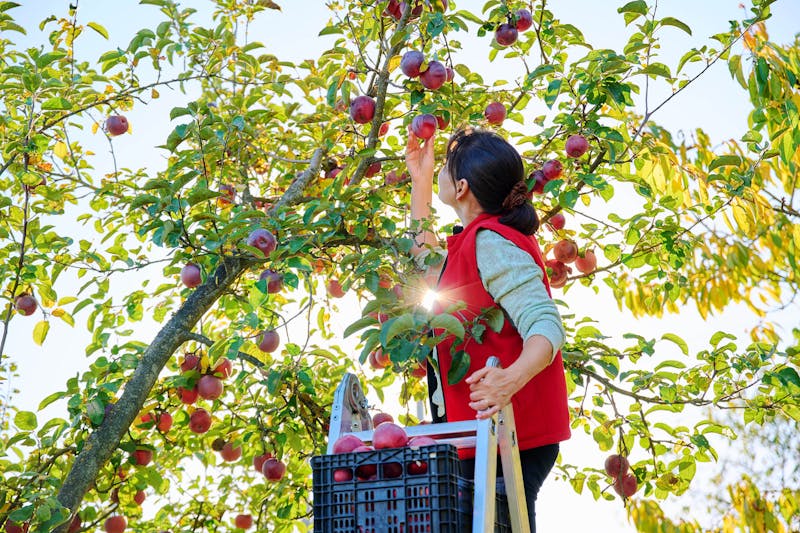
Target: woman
<point x="494" y="262"/>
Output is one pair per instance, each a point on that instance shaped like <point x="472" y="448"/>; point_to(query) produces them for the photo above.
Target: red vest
<point x="540" y="407"/>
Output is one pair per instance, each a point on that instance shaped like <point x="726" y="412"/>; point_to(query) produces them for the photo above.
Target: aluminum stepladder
<point x="349" y="414"/>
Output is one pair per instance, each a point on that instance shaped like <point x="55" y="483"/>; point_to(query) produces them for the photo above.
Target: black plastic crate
<point x="389" y="491"/>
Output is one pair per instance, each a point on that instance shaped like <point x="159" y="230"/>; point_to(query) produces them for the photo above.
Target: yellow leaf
<point x="154" y="93"/>
<point x="796" y="236"/>
<point x="60" y="149"/>
<point x="742" y="218"/>
<point x="40" y="331"/>
<point x="95" y="127"/>
<point x="394" y="63"/>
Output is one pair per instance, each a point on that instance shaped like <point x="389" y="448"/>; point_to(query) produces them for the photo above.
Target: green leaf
<point x="637" y="6"/>
<point x="358" y="325"/>
<point x="40" y="331"/>
<point x="670" y="21"/>
<point x="449" y="323"/>
<point x="99" y="29"/>
<point x="395" y="326"/>
<point x="25" y="420"/>
<point x="789" y="375"/>
<point x="56" y="104"/>
<point x="50" y="399"/>
<point x="657" y="69"/>
<point x="495" y="319"/>
<point x="677" y="340"/>
<point x="458" y="367"/>
<point x="553" y="90"/>
<point x="330" y="30"/>
<point x="725" y="161"/>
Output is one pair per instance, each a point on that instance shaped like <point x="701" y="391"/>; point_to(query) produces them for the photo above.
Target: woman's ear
<point x="462" y="186"/>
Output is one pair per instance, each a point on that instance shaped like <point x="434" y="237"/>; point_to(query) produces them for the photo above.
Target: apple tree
<point x="282" y="190"/>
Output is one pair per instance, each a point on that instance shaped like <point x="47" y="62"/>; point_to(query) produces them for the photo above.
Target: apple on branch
<point x="116" y="125"/>
<point x="25" y="304"/>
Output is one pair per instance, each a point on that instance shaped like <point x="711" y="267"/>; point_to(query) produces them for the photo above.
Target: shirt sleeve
<point x="514" y="280"/>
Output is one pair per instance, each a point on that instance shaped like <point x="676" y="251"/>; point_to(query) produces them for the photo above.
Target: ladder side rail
<point x="483" y="510"/>
<point x="512" y="471"/>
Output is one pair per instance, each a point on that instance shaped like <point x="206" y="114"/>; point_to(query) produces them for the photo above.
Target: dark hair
<point x="494" y="171"/>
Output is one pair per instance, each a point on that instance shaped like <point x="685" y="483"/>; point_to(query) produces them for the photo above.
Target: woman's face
<point x="447" y="189"/>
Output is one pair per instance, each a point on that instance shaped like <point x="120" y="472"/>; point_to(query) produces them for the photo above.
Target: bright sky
<point x="714" y="104"/>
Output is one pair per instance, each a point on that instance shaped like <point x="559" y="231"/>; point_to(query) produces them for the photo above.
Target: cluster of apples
<point x="379" y="360"/>
<point x="210" y="386"/>
<point x="625" y="483"/>
<point x="395" y="8"/>
<point x="386" y="435"/>
<point x="508" y="32"/>
<point x="566" y="251"/>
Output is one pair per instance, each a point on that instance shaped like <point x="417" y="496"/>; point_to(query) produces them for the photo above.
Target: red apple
<point x="164" y="422"/>
<point x="263" y="240"/>
<point x="334" y="289"/>
<point x="274" y="281"/>
<point x="373" y="169"/>
<point x="143" y="456"/>
<point x="506" y="35"/>
<point x="558" y="273"/>
<point x="224" y="369"/>
<point x="392" y="177"/>
<point x="389" y="435"/>
<point x="616" y="465"/>
<point x="365" y="471"/>
<point x="116" y="125"/>
<point x="243" y="521"/>
<point x="217" y="444"/>
<point x="394" y="9"/>
<point x="188" y="396"/>
<point x="495" y="113"/>
<point x="332" y="173"/>
<point x="190" y="362"/>
<point x="25" y="304"/>
<point x="565" y="251"/>
<point x="210" y="387"/>
<point x="115" y="524"/>
<point x="626" y="486"/>
<point x="347" y="443"/>
<point x="191" y="275"/>
<point x="200" y="421"/>
<point x="270" y="340"/>
<point x="392" y="470"/>
<point x="424" y="126"/>
<point x="341" y="475"/>
<point x="379" y="360"/>
<point x="442" y="122"/>
<point x="75" y="525"/>
<point x="411" y="62"/>
<point x="383" y="129"/>
<point x="557" y="221"/>
<point x="273" y="469"/>
<point x="420" y="371"/>
<point x="362" y="109"/>
<point x="139" y="497"/>
<point x="586" y="263"/>
<point x="539" y="181"/>
<point x="552" y="169"/>
<point x="380" y="418"/>
<point x="14" y="527"/>
<point x="416" y="468"/>
<point x="576" y="145"/>
<point x="434" y="77"/>
<point x="259" y="460"/>
<point x="229" y="453"/>
<point x="524" y="20"/>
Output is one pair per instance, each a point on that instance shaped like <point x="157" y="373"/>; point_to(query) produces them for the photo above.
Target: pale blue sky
<point x="715" y="104"/>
